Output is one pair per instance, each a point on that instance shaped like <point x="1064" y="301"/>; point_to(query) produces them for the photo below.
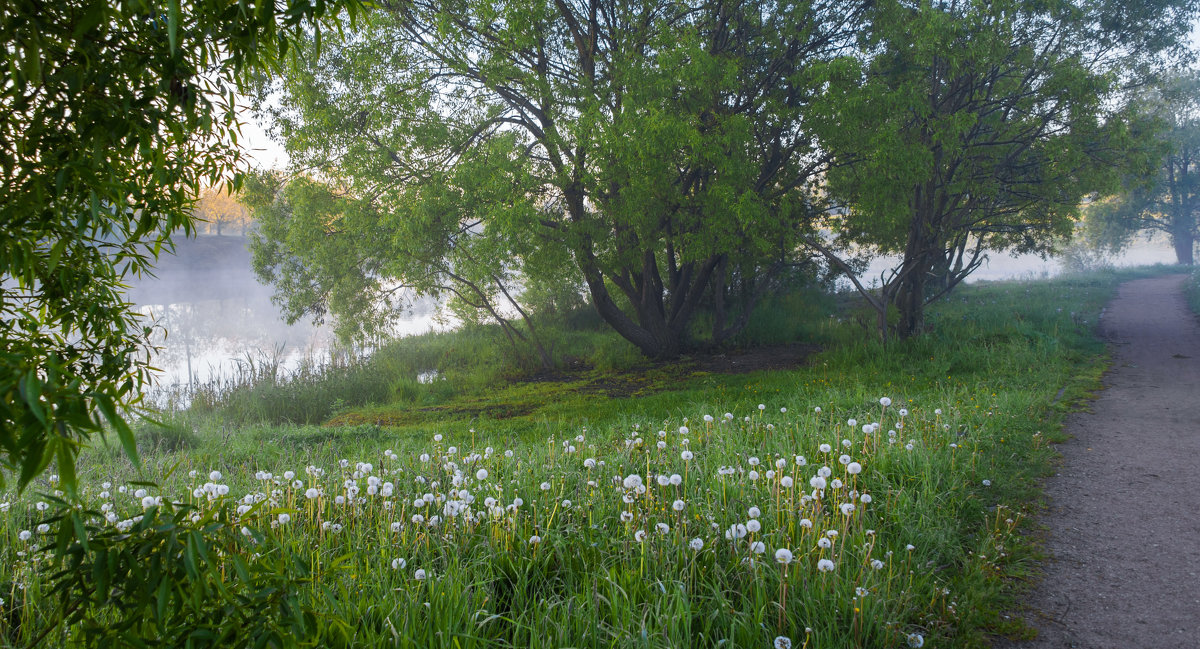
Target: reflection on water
<point x="212" y="314"/>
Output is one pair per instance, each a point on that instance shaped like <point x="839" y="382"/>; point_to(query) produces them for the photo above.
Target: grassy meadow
<point x="876" y="495"/>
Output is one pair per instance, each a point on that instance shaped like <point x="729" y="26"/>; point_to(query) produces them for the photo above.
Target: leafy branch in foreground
<point x="112" y="117"/>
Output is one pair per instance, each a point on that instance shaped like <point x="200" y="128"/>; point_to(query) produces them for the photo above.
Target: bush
<point x="175" y="578"/>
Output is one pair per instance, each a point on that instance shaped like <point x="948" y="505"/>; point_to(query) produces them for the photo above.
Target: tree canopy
<point x="980" y="126"/>
<point x="659" y="155"/>
<point x="1167" y="198"/>
<point x="114" y="115"/>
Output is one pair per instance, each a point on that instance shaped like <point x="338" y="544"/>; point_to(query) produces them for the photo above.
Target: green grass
<point x="985" y="392"/>
<point x="1192" y="290"/>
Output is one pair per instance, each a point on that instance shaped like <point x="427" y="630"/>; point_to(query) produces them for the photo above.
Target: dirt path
<point x="1125" y="506"/>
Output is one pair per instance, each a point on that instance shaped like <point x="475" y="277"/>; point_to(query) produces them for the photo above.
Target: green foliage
<point x="660" y="152"/>
<point x="115" y="115"/>
<point x="177" y="578"/>
<point x="168" y="437"/>
<point x="977" y="127"/>
<point x="998" y="359"/>
<point x="1165" y="197"/>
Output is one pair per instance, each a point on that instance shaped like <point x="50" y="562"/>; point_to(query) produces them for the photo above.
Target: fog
<point x="216" y="315"/>
<point x="1002" y="266"/>
<point x="212" y="314"/>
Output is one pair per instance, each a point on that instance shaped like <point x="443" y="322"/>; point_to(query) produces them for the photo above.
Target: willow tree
<point x="978" y="127"/>
<point x="112" y="117"/>
<point x="661" y="150"/>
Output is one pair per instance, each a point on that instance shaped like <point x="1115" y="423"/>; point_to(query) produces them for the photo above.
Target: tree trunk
<point x="919" y="256"/>
<point x="910" y="302"/>
<point x="1185" y="246"/>
<point x="665" y="345"/>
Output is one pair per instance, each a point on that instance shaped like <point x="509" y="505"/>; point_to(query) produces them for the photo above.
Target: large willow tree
<point x="658" y="153"/>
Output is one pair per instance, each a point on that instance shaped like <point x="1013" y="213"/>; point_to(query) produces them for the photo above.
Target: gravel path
<point x="1124" y="512"/>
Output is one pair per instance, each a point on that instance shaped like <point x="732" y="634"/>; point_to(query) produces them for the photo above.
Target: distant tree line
<point x="218" y="208"/>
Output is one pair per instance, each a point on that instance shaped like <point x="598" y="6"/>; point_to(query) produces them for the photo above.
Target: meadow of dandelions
<point x="772" y="528"/>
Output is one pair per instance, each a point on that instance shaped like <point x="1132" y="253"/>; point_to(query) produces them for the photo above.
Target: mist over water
<point x="217" y="317"/>
<point x="213" y="314"/>
<point x="1003" y="266"/>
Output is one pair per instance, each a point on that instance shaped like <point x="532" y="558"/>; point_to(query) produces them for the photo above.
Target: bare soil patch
<point x="1124" y="508"/>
